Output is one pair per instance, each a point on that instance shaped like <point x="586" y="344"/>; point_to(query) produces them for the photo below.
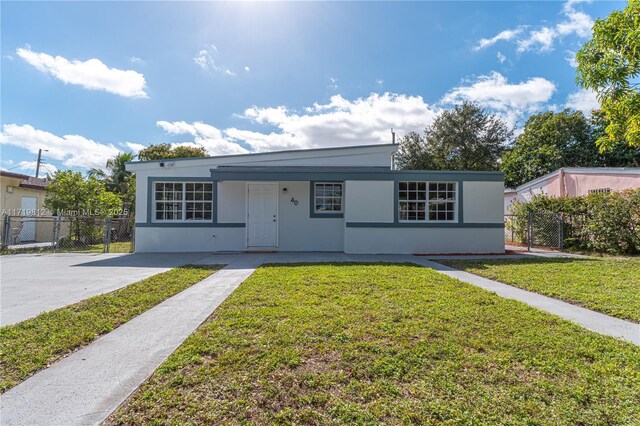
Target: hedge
<point x="604" y="223"/>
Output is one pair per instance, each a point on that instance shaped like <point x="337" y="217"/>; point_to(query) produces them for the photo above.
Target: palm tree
<point x="117" y="179"/>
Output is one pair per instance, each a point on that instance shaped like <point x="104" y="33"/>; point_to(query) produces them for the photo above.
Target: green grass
<point x="608" y="285"/>
<point x="36" y="343"/>
<point x="385" y="344"/>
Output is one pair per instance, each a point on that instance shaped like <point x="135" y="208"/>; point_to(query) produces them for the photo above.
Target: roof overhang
<point x="249" y="173"/>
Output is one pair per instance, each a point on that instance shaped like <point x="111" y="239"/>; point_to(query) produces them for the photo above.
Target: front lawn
<point x="608" y="285"/>
<point x="385" y="344"/>
<point x="34" y="344"/>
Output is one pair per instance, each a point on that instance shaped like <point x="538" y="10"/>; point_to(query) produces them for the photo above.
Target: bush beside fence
<point x="605" y="223"/>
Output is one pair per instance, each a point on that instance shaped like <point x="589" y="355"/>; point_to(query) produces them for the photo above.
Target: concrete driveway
<point x="34" y="283"/>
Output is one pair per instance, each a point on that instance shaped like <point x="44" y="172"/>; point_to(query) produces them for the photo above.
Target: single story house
<point x="22" y="195"/>
<point x="347" y="199"/>
<point x="575" y="181"/>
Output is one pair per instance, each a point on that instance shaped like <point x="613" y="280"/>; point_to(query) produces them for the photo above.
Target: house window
<point x="600" y="191"/>
<point x="183" y="201"/>
<point x="327" y="197"/>
<point x="427" y="201"/>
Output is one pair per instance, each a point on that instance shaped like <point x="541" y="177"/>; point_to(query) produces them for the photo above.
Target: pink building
<point x="571" y="181"/>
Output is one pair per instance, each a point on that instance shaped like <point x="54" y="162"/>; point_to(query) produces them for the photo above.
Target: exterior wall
<point x="297" y="231"/>
<point x="549" y="186"/>
<point x="369" y="201"/>
<point x="581" y="183"/>
<point x="11" y="204"/>
<point x="232" y="202"/>
<point x="509" y="198"/>
<point x="423" y="240"/>
<point x="174" y="240"/>
<point x="481" y="200"/>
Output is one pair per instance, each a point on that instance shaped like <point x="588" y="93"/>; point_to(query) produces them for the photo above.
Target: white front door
<point x="262" y="215"/>
<point x="28" y="230"/>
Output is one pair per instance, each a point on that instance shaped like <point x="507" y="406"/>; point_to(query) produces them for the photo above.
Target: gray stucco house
<point x="347" y="199"/>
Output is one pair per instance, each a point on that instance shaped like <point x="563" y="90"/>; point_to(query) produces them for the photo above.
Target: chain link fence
<point x="82" y="234"/>
<point x="535" y="230"/>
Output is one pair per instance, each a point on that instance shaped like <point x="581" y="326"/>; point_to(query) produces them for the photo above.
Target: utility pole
<point x="39" y="161"/>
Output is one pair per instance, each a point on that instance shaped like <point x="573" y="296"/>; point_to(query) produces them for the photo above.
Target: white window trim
<point x="183" y="202"/>
<point x="426" y="216"/>
<point x="341" y="198"/>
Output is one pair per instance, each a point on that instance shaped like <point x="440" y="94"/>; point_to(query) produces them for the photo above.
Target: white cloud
<point x="543" y="38"/>
<point x="501" y="57"/>
<point x="206" y="59"/>
<point x="247" y="69"/>
<point x="505" y="35"/>
<point x="136" y="60"/>
<point x="511" y="100"/>
<point x="134" y="147"/>
<point x="576" y="22"/>
<point x="333" y="83"/>
<point x="571" y="58"/>
<point x="91" y="74"/>
<point x="583" y="100"/>
<point x="348" y="122"/>
<point x="205" y="135"/>
<point x="71" y="150"/>
<point x="339" y="122"/>
<point x="380" y="82"/>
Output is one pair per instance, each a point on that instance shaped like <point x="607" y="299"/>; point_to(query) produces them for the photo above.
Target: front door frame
<point x="277" y="199"/>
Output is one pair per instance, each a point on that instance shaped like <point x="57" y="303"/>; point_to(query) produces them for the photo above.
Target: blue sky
<point x="86" y="80"/>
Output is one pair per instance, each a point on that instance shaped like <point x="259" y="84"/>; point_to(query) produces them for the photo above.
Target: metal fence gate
<point x="534" y="230"/>
<point x="83" y="234"/>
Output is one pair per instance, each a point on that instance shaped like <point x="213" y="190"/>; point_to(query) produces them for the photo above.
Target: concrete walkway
<point x="88" y="385"/>
<point x="595" y="321"/>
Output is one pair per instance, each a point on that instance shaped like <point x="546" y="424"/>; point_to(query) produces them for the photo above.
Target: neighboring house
<point x="336" y="199"/>
<point x="572" y="181"/>
<point x="22" y="195"/>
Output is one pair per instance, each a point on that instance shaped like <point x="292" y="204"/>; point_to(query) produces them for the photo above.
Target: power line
<point x="45" y="166"/>
<point x="20" y="165"/>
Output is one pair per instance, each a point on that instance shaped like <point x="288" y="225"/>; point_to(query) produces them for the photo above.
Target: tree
<point x="609" y="64"/>
<point x="464" y="138"/>
<point x="82" y="200"/>
<point x="565" y="139"/>
<point x="118" y="180"/>
<point x="549" y="141"/>
<point x="621" y="155"/>
<point x="165" y="151"/>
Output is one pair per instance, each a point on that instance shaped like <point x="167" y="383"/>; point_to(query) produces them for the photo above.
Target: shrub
<point x="606" y="223"/>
